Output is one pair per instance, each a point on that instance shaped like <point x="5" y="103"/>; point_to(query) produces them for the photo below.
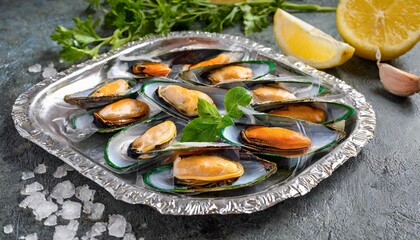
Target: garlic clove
<point x="397" y="81"/>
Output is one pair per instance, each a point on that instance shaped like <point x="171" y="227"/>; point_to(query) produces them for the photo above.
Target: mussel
<point x="151" y="69"/>
<point x="155" y="138"/>
<point x="283" y="89"/>
<point x="103" y="93"/>
<point x="182" y="99"/>
<point x="208" y="171"/>
<point x="302" y="112"/>
<point x="320" y="112"/>
<point x="121" y="113"/>
<point x="222" y="58"/>
<point x="282" y="137"/>
<point x="276" y="140"/>
<point x="205" y="170"/>
<point x="269" y="92"/>
<point x="234" y="71"/>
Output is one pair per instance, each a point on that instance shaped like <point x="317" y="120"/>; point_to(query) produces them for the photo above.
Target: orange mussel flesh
<point x="151" y="69"/>
<point x="302" y="112"/>
<point x="276" y="140"/>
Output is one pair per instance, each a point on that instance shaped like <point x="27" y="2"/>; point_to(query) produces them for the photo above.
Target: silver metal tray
<point x="34" y="111"/>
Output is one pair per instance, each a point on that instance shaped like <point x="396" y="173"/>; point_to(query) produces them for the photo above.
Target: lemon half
<point x="393" y="26"/>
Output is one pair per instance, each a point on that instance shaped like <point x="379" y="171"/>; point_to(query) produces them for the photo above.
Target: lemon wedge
<point x="307" y="43"/>
<point x="393" y="26"/>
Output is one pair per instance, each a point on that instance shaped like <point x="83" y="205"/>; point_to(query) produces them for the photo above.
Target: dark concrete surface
<point x="375" y="195"/>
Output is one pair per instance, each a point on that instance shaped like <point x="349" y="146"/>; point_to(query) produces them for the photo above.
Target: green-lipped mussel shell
<point x="150" y="90"/>
<point x="301" y="87"/>
<point x="321" y="136"/>
<point x="200" y="75"/>
<point x="333" y="111"/>
<point x="116" y="154"/>
<point x="84" y="100"/>
<point x="255" y="171"/>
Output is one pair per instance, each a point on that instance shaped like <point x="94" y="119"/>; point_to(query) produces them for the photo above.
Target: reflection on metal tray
<point x="37" y="112"/>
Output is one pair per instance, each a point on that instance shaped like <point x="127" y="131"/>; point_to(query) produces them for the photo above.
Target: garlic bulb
<point x="398" y="82"/>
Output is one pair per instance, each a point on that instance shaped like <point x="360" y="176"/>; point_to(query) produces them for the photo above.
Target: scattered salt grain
<point x="84" y="193"/>
<point x="71" y="210"/>
<point x="51" y="220"/>
<point x="35" y="68"/>
<point x="63" y="190"/>
<point x="40" y="169"/>
<point x="97" y="229"/>
<point x="8" y="229"/>
<point x="49" y="71"/>
<point x="60" y="172"/>
<point x="97" y="211"/>
<point x="129" y="236"/>
<point x="44" y="209"/>
<point x="32" y="236"/>
<point x="87" y="207"/>
<point x="116" y="225"/>
<point x="32" y="200"/>
<point x="27" y="175"/>
<point x="31" y="188"/>
<point x="64" y="232"/>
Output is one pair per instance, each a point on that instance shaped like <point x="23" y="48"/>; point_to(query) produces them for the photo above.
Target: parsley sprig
<point x="129" y="20"/>
<point x="209" y="123"/>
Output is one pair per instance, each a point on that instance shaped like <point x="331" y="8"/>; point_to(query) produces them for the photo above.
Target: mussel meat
<point x="182" y="99"/>
<point x="222" y="58"/>
<point x="302" y="112"/>
<point x="151" y="69"/>
<point x="157" y="137"/>
<point x="276" y="140"/>
<point x="115" y="88"/>
<point x="231" y="72"/>
<point x="269" y="93"/>
<point x="206" y="170"/>
<point x="121" y="113"/>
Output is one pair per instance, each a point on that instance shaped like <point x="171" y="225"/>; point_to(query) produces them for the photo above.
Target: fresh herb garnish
<point x="207" y="126"/>
<point x="131" y="19"/>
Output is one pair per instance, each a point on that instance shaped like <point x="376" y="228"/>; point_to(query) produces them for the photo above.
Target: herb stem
<point x="306" y="7"/>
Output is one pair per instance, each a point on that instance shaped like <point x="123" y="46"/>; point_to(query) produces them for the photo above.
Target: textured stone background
<point x="375" y="195"/>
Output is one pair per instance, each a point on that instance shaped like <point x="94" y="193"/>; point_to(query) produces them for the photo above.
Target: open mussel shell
<point x="320" y="112"/>
<point x="117" y="150"/>
<point x="321" y="137"/>
<point x="152" y="90"/>
<point x="282" y="89"/>
<point x="87" y="122"/>
<point x="174" y="62"/>
<point x="255" y="170"/>
<point x="85" y="99"/>
<point x="235" y="71"/>
<point x="185" y="56"/>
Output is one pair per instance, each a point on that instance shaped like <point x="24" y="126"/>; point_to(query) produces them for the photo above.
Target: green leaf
<point x="200" y="130"/>
<point x="128" y="20"/>
<point x="71" y="54"/>
<point x="226" y="122"/>
<point x="207" y="110"/>
<point x="253" y="22"/>
<point x="237" y="96"/>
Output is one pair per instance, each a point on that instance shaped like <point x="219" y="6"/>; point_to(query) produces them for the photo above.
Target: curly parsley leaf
<point x="129" y="20"/>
